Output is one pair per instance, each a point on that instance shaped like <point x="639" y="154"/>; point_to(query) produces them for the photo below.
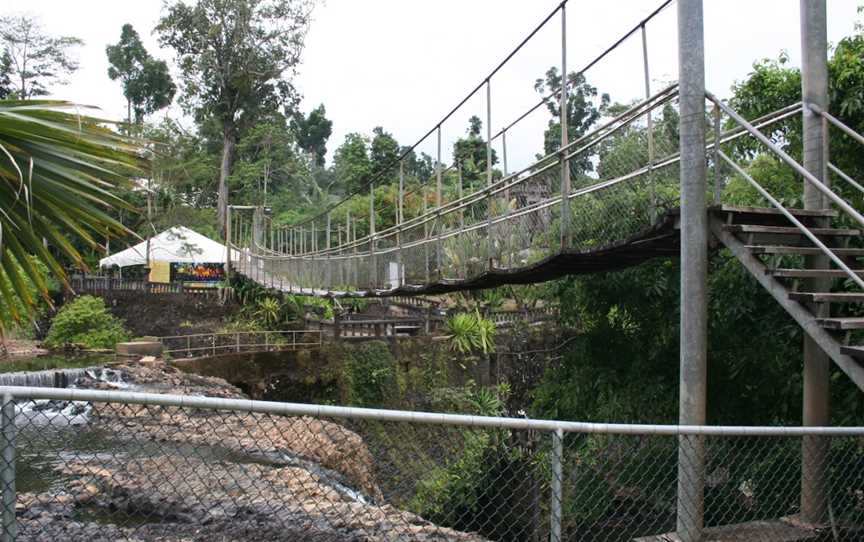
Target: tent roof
<point x="177" y="244"/>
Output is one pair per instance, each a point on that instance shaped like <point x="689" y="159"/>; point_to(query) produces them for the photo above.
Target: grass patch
<point x="44" y="363"/>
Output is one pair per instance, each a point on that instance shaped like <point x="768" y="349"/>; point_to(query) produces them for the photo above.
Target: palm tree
<point x="58" y="169"/>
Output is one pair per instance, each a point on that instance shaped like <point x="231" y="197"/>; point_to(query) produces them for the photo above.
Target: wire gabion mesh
<point x="98" y="470"/>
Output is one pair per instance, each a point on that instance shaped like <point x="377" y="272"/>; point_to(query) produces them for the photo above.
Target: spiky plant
<point x="58" y="173"/>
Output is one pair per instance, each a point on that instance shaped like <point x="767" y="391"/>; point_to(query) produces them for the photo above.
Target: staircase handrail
<point x="776" y="203"/>
<point x="789" y="216"/>
<point x="848" y="131"/>
<point x="788" y="160"/>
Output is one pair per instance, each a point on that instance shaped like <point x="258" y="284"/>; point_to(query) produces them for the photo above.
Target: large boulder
<point x="138" y="349"/>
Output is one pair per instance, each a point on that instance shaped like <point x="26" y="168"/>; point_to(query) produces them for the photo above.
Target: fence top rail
<point x="245" y="333"/>
<point x="300" y="409"/>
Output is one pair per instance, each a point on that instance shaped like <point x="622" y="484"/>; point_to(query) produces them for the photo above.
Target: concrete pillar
<point x="814" y="90"/>
<point x="694" y="268"/>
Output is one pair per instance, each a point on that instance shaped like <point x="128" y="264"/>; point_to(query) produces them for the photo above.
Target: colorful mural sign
<point x="197" y="272"/>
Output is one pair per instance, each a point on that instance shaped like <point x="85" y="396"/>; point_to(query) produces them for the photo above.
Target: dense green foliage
<point x="370" y="375"/>
<point x="85" y="322"/>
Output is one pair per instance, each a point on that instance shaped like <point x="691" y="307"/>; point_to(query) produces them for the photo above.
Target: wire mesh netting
<point x="622" y="177"/>
<point x="112" y="471"/>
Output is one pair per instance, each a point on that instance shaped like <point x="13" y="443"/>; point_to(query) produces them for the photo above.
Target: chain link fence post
<point x="557" y="460"/>
<point x="8" y="469"/>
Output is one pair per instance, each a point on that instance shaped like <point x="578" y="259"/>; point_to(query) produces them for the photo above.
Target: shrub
<point x="470" y="331"/>
<point x="370" y="375"/>
<point x="85" y="321"/>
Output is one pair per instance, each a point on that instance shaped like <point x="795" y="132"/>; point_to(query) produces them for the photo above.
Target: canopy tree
<point x="312" y="133"/>
<point x="236" y="57"/>
<point x="147" y="84"/>
<point x="471" y="152"/>
<point x="5" y="75"/>
<point x="351" y="163"/>
<point x="383" y="153"/>
<point x="582" y="111"/>
<point x="36" y="60"/>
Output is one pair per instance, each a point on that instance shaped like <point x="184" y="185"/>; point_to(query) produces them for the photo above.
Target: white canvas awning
<point x="177" y="244"/>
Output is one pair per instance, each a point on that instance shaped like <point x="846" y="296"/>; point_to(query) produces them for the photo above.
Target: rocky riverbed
<point x="172" y="474"/>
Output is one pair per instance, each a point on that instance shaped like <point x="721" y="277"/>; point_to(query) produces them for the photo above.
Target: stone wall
<point x="146" y="314"/>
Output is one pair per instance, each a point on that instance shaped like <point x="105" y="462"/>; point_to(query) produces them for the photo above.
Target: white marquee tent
<point x="177" y="244"/>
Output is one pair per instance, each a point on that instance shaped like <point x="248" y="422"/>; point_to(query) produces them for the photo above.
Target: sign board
<point x="197" y="272"/>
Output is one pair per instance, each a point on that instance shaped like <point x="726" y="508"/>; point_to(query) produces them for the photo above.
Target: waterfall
<point x="52" y="378"/>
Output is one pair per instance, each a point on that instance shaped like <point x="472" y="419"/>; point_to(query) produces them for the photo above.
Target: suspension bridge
<point x="649" y="181"/>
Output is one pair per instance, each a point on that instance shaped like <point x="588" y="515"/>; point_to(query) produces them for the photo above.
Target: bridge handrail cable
<point x="565" y="83"/>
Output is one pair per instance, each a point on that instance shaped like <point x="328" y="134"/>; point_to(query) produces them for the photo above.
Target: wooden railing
<point x="96" y="284"/>
<point x="357" y="327"/>
<point x="524" y="316"/>
<point x="416" y="302"/>
<point x="211" y="344"/>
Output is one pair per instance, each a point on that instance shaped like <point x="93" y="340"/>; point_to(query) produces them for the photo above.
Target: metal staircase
<point x="809" y="260"/>
<point x="779" y="255"/>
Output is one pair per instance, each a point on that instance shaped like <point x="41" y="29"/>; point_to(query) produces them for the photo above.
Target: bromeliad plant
<point x="58" y="172"/>
<point x="470" y="332"/>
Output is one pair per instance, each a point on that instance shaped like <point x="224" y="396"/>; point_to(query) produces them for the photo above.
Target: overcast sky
<point x="403" y="64"/>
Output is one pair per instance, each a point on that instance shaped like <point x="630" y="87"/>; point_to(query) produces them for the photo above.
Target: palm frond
<point x="59" y="170"/>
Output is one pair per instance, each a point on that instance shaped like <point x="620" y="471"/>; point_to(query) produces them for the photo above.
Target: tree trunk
<point x="228" y="142"/>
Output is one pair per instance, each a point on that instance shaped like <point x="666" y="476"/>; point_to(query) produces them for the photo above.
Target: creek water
<point x="52" y="434"/>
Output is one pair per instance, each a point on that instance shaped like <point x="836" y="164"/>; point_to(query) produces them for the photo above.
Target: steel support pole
<point x="425" y="233"/>
<point x="565" y="138"/>
<point x="373" y="270"/>
<point x="718" y="168"/>
<point x="439" y="226"/>
<point x="694" y="269"/>
<point x="508" y="227"/>
<point x="556" y="485"/>
<point x="649" y="121"/>
<point x="489" y="199"/>
<point x="348" y="260"/>
<point x="329" y="273"/>
<point x="399" y="219"/>
<point x="228" y="244"/>
<point x="7" y="469"/>
<point x="816" y="408"/>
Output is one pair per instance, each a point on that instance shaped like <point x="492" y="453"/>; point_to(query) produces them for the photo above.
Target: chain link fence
<point x="93" y="465"/>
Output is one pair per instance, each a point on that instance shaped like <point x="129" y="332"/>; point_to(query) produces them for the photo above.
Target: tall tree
<point x="351" y="163"/>
<point x="236" y="57"/>
<point x="312" y="133"/>
<point x="147" y="85"/>
<point x="471" y="151"/>
<point x="5" y="76"/>
<point x="582" y="109"/>
<point x="383" y="152"/>
<point x="36" y="59"/>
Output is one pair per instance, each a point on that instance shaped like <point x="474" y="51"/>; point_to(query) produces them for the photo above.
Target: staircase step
<point x="806" y="251"/>
<point x="827" y="297"/>
<point x="812" y="273"/>
<point x="856" y="352"/>
<point x="828" y="213"/>
<point x="841" y="323"/>
<point x="789" y="230"/>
